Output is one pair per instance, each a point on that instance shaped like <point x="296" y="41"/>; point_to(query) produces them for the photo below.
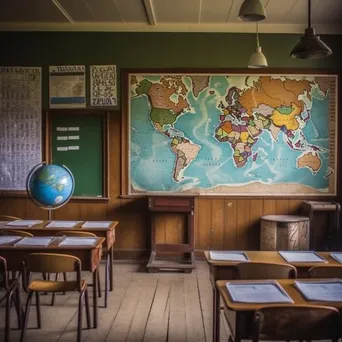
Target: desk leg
<point x="111" y="272"/>
<point x="216" y="315"/>
<point x="95" y="275"/>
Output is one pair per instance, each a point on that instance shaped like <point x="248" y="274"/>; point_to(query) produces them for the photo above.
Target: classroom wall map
<point x="232" y="134"/>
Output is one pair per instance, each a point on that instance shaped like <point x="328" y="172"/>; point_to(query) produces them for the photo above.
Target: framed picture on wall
<point x="229" y="132"/>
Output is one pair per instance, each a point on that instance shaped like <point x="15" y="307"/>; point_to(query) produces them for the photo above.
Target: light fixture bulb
<point x="252" y="10"/>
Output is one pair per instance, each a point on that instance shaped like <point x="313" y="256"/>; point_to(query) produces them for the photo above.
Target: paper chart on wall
<point x="20" y="117"/>
<point x="67" y="86"/>
<point x="103" y="89"/>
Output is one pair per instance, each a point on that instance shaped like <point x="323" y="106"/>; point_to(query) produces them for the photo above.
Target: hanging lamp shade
<point x="252" y="10"/>
<point x="258" y="59"/>
<point x="310" y="46"/>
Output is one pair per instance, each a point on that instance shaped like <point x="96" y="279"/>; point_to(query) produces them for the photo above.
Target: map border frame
<point x="126" y="185"/>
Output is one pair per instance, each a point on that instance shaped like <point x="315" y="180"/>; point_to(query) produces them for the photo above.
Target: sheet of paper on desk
<point x="8" y="239"/>
<point x="261" y="292"/>
<point x="97" y="224"/>
<point x="62" y="224"/>
<point x="23" y="223"/>
<point x="35" y="241"/>
<point x="228" y="256"/>
<point x="299" y="256"/>
<point x="322" y="290"/>
<point x="78" y="241"/>
<point x="337" y="256"/>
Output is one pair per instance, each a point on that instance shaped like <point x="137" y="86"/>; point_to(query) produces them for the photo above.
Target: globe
<point x="50" y="186"/>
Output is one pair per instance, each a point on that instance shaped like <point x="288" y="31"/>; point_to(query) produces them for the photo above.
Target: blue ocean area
<point x="152" y="161"/>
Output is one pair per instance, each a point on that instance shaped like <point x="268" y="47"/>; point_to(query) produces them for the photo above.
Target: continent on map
<point x="168" y="101"/>
<point x="199" y="83"/>
<point x="310" y="160"/>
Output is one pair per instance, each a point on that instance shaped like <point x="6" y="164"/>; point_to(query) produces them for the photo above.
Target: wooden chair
<point x="9" y="218"/>
<point x="53" y="263"/>
<point x="325" y="272"/>
<point x="264" y="270"/>
<point x="11" y="293"/>
<point x="16" y="232"/>
<point x="79" y="234"/>
<point x="296" y="322"/>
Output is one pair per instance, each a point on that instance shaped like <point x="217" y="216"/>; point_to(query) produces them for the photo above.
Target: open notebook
<point x="228" y="256"/>
<point x="23" y="223"/>
<point x="35" y="241"/>
<point x="4" y="240"/>
<point x="62" y="224"/>
<point x="329" y="290"/>
<point x="301" y="256"/>
<point x="78" y="241"/>
<point x="97" y="224"/>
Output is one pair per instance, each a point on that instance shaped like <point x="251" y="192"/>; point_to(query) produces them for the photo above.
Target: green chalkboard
<point x="78" y="139"/>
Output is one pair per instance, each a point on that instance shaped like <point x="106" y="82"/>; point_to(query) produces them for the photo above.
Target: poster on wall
<point x="103" y="85"/>
<point x="20" y="120"/>
<point x="67" y="86"/>
<point x="231" y="134"/>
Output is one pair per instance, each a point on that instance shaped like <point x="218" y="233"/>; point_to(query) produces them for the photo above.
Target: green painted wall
<point x="154" y="50"/>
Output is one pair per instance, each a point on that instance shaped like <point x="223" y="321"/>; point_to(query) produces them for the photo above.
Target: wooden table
<point x="90" y="257"/>
<point x="241" y="314"/>
<point x="224" y="270"/>
<point x="107" y="233"/>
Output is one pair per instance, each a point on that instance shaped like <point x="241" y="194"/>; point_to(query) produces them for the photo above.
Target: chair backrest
<point x="296" y="322"/>
<point x="265" y="270"/>
<point x="15" y="232"/>
<point x="75" y="233"/>
<point x="3" y="272"/>
<point x="325" y="272"/>
<point x="9" y="218"/>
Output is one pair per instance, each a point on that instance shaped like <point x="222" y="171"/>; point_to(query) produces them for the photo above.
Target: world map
<point x="232" y="134"/>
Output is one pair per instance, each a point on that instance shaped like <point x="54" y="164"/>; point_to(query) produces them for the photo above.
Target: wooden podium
<point x="170" y="204"/>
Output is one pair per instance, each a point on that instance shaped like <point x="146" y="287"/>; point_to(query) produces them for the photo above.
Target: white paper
<point x="62" y="224"/>
<point x="75" y="129"/>
<point x="23" y="223"/>
<point x="317" y="291"/>
<point x="97" y="224"/>
<point x="61" y="129"/>
<point x="62" y="138"/>
<point x="336" y="256"/>
<point x="74" y="137"/>
<point x="35" y="241"/>
<point x="62" y="149"/>
<point x="301" y="256"/>
<point x="228" y="256"/>
<point x="73" y="148"/>
<point x="21" y="121"/>
<point x="78" y="241"/>
<point x="103" y="85"/>
<point x="265" y="292"/>
<point x="67" y="86"/>
<point x="8" y="239"/>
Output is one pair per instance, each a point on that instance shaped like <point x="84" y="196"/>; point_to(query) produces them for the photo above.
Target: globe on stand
<point x="50" y="186"/>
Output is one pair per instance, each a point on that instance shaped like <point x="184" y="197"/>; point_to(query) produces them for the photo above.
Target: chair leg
<point x="99" y="285"/>
<point x="8" y="316"/>
<point x="54" y="294"/>
<point x="80" y="315"/>
<point x="65" y="279"/>
<point x="106" y="279"/>
<point x="39" y="317"/>
<point x="17" y="303"/>
<point x="27" y="311"/>
<point x="86" y="299"/>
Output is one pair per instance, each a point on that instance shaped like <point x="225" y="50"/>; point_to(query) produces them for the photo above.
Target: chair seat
<point x="55" y="286"/>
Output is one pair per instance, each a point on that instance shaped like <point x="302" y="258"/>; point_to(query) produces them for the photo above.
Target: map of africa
<point x="232" y="134"/>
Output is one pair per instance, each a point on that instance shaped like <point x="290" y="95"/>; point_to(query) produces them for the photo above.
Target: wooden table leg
<point x="95" y="275"/>
<point x="216" y="315"/>
<point x="111" y="272"/>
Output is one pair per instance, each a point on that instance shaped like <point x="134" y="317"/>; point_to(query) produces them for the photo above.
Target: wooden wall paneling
<point x="70" y="211"/>
<point x="255" y="213"/>
<point x="203" y="225"/>
<point x="282" y="206"/>
<point x="217" y="224"/>
<point x="230" y="224"/>
<point x="242" y="220"/>
<point x="14" y="207"/>
<point x="294" y="206"/>
<point x="269" y="207"/>
<point x="175" y="228"/>
<point x="33" y="211"/>
<point x="93" y="211"/>
<point x="160" y="220"/>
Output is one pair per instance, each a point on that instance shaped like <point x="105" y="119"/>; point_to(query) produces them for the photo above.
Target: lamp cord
<point x="257" y="34"/>
<point x="309" y="13"/>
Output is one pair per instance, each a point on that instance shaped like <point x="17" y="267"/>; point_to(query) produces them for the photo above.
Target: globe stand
<point x="50" y="214"/>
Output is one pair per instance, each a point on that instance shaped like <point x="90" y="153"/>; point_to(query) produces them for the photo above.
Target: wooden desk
<point x="90" y="257"/>
<point x="107" y="233"/>
<point x="241" y="314"/>
<point x="224" y="270"/>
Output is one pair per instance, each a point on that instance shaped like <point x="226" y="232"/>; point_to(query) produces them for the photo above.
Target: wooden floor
<point x="172" y="307"/>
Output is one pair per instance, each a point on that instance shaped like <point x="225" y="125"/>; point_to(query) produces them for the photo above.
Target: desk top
<point x="273" y="257"/>
<point x="288" y="286"/>
<point x="42" y="226"/>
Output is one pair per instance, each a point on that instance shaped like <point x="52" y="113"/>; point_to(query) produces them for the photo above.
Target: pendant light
<point x="252" y="10"/>
<point x="310" y="46"/>
<point x="258" y="59"/>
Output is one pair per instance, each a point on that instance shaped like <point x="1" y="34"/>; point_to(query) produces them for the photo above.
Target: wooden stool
<point x="284" y="232"/>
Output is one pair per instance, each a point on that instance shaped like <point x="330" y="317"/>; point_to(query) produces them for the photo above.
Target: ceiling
<point x="283" y="16"/>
